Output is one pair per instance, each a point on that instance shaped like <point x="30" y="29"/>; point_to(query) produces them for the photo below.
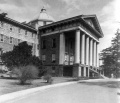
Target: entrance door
<point x="68" y="71"/>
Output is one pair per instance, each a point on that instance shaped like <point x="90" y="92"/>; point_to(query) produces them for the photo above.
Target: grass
<point x="110" y="84"/>
<point x="12" y="85"/>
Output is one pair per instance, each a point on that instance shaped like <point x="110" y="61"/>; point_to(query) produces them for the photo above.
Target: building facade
<point x="13" y="32"/>
<point x="70" y="47"/>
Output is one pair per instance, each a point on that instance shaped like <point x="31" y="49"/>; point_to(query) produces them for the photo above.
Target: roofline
<point x="93" y="29"/>
<point x="41" y="20"/>
<point x="14" y="21"/>
<point x="65" y="20"/>
<point x="69" y="19"/>
<point x="87" y="16"/>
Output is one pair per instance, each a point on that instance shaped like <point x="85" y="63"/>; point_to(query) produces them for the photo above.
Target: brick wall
<point x="49" y="50"/>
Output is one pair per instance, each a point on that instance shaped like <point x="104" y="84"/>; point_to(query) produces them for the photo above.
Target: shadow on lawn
<point x="11" y="78"/>
<point x="110" y="84"/>
<point x="13" y="81"/>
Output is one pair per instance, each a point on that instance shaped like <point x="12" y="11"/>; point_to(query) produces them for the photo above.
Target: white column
<point x="84" y="71"/>
<point x="62" y="49"/>
<point x="91" y="51"/>
<point x="83" y="49"/>
<point x="94" y="53"/>
<point x="97" y="55"/>
<point x="77" y="46"/>
<point x="88" y="71"/>
<point x="79" y="71"/>
<point x="87" y="51"/>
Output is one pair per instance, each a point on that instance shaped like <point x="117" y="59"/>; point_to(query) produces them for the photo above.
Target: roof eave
<point x="18" y="23"/>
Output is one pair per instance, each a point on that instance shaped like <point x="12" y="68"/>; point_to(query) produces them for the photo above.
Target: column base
<point x="60" y="71"/>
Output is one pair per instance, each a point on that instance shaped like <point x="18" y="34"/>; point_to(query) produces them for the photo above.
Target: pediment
<point x="93" y="22"/>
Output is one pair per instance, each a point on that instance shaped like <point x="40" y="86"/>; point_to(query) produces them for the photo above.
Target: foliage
<point x="26" y="73"/>
<point x="20" y="56"/>
<point x="48" y="78"/>
<point x="111" y="57"/>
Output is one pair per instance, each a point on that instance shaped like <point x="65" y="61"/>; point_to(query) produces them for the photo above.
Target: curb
<point x="19" y="94"/>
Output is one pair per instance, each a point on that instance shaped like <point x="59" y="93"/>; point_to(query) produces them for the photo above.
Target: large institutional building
<point x="67" y="48"/>
<point x="70" y="47"/>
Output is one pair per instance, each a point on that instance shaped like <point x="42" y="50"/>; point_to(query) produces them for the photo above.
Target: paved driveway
<point x="74" y="93"/>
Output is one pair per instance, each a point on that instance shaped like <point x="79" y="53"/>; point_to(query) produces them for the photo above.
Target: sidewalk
<point x="99" y="80"/>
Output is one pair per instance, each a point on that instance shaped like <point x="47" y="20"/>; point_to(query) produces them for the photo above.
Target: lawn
<point x="12" y="85"/>
<point x="109" y="83"/>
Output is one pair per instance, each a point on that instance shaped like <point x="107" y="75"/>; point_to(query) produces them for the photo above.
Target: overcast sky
<point x="107" y="11"/>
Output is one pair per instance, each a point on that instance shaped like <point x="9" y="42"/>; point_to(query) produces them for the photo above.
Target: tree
<point x="26" y="73"/>
<point x="21" y="59"/>
<point x="17" y="57"/>
<point x="116" y="53"/>
<point x="111" y="57"/>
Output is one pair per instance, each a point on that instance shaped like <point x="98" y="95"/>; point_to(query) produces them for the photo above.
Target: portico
<point x="79" y="52"/>
<point x="78" y="45"/>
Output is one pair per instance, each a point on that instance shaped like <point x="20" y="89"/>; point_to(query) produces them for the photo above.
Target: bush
<point x="26" y="73"/>
<point x="48" y="78"/>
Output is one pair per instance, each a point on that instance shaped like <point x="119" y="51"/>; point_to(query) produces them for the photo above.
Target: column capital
<point x="61" y="33"/>
<point x="77" y="29"/>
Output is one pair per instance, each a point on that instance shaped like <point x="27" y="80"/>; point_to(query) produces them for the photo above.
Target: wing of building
<point x="13" y="32"/>
<point x="70" y="47"/>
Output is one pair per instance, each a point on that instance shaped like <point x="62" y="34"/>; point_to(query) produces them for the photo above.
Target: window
<point x="53" y="43"/>
<point x="18" y="41"/>
<point x="32" y="35"/>
<point x="38" y="46"/>
<point x="11" y="40"/>
<point x="32" y="45"/>
<point x="25" y="33"/>
<point x="10" y="27"/>
<point x="37" y="37"/>
<point x="53" y="69"/>
<point x="53" y="58"/>
<point x="43" y="58"/>
<point x="1" y="38"/>
<point x="71" y="44"/>
<point x="44" y="44"/>
<point x="19" y="30"/>
<point x="44" y="23"/>
<point x="1" y="24"/>
<point x="1" y="51"/>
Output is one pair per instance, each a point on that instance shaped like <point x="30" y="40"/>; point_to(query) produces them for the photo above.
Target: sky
<point x="107" y="12"/>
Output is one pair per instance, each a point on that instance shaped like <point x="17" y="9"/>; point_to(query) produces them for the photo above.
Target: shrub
<point x="26" y="73"/>
<point x="48" y="78"/>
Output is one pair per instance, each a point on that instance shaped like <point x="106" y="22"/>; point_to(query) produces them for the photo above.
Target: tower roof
<point x="43" y="16"/>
